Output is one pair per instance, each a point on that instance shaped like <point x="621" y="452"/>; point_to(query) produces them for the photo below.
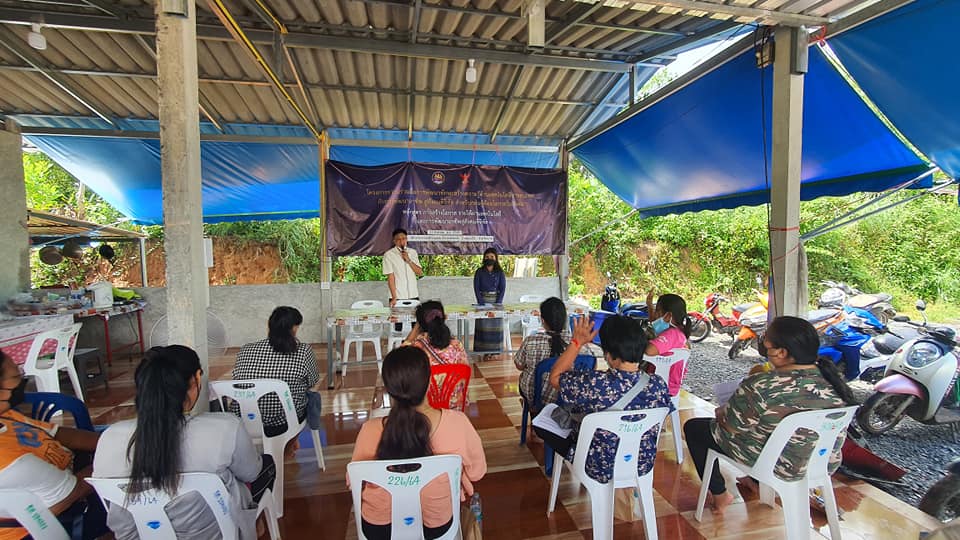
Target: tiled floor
<point x="515" y="490"/>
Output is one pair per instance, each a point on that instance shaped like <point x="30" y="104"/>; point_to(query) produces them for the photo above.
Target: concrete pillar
<point x="326" y="262"/>
<point x="563" y="262"/>
<point x="187" y="289"/>
<point x="785" y="184"/>
<point x="15" y="247"/>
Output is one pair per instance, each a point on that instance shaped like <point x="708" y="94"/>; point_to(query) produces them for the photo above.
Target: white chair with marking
<point x="794" y="494"/>
<point x="404" y="488"/>
<point x="630" y="427"/>
<point x="360" y="333"/>
<point x="397" y="336"/>
<point x="530" y="324"/>
<point x="247" y="394"/>
<point x="151" y="520"/>
<point x="46" y="373"/>
<point x="31" y="514"/>
<point x="663" y="365"/>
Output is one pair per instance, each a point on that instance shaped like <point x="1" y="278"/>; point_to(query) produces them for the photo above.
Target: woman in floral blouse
<point x="431" y="334"/>
<point x="800" y="381"/>
<point x="583" y="392"/>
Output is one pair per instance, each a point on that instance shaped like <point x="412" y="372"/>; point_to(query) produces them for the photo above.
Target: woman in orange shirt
<point x="415" y="429"/>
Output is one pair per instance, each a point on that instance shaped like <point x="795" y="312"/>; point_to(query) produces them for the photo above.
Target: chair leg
<point x="270" y="514"/>
<point x="47" y="383"/>
<point x="645" y="491"/>
<point x="379" y="353"/>
<point x="830" y="505"/>
<point x="796" y="510"/>
<point x="601" y="508"/>
<point x="346" y="356"/>
<point x="74" y="380"/>
<point x="677" y="440"/>
<point x="523" y="423"/>
<point x="318" y="449"/>
<point x="705" y="483"/>
<point x="554" y="484"/>
<point x="275" y="448"/>
<point x="548" y="459"/>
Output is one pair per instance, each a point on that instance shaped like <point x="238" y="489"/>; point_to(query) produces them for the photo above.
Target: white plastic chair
<point x="46" y="373"/>
<point x="247" y="394"/>
<point x="360" y="333"/>
<point x="794" y="494"/>
<point x="397" y="336"/>
<point x="151" y="520"/>
<point x="31" y="514"/>
<point x="528" y="323"/>
<point x="663" y="365"/>
<point x="406" y="516"/>
<point x="630" y="427"/>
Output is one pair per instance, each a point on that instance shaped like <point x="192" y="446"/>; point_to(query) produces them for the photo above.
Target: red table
<point x="104" y="314"/>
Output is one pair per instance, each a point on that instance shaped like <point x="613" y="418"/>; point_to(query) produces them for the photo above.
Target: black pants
<point x="699" y="442"/>
<point x="382" y="532"/>
<point x="264" y="480"/>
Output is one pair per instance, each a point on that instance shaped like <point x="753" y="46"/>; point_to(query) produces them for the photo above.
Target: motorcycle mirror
<point x="608" y="275"/>
<point x="921" y="305"/>
<point x="901" y="318"/>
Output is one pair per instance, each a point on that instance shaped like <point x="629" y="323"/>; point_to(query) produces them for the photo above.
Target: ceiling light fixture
<point x="471" y="73"/>
<point x="35" y="38"/>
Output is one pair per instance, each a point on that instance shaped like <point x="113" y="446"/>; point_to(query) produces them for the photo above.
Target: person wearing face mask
<point x="672" y="328"/>
<point x="800" y="381"/>
<point x="39" y="457"/>
<point x="165" y="440"/>
<point x="489" y="286"/>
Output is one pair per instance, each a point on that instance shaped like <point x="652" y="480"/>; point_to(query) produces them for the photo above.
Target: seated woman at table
<point x="671" y="324"/>
<point x="166" y="440"/>
<point x="432" y="334"/>
<point x="39" y="457"/>
<point x="282" y="356"/>
<point x="549" y="343"/>
<point x="583" y="392"/>
<point x="414" y="429"/>
<point x="800" y="381"/>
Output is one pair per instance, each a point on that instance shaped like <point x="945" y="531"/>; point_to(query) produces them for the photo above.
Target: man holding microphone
<point x="401" y="266"/>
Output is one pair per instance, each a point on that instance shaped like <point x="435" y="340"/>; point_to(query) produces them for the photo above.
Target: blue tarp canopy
<point x="253" y="180"/>
<point x="906" y="62"/>
<point x="702" y="148"/>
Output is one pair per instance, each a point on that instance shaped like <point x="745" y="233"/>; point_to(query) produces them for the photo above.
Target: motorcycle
<point x="921" y="381"/>
<point x="849" y="343"/>
<point x="711" y="319"/>
<point x="611" y="296"/>
<point x="752" y="323"/>
<point x="839" y="294"/>
<point x="942" y="500"/>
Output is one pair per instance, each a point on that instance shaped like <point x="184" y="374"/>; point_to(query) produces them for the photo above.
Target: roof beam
<point x="506" y="103"/>
<point x="864" y="15"/>
<point x="13" y="42"/>
<point x="758" y="14"/>
<point x="577" y="14"/>
<point x="415" y="20"/>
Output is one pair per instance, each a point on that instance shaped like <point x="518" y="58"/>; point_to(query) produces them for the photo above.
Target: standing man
<point x="401" y="266"/>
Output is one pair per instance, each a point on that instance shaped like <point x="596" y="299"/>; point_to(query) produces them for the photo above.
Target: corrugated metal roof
<point x="400" y="84"/>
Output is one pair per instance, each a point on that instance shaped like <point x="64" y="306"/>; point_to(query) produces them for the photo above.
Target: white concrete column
<point x="563" y="261"/>
<point x="187" y="289"/>
<point x="785" y="184"/>
<point x="15" y="247"/>
<point x="326" y="262"/>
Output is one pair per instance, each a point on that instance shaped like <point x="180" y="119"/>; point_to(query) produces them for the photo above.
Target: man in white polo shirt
<point x="401" y="266"/>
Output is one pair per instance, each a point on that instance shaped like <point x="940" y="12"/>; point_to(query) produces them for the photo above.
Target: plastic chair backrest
<point x="583" y="362"/>
<point x="43" y="405"/>
<point x="826" y="423"/>
<point x="366" y="304"/>
<point x="147" y="507"/>
<point x="364" y="329"/>
<point x="31" y="514"/>
<point x="662" y="364"/>
<point x="439" y="395"/>
<point x="66" y="339"/>
<point x="406" y="303"/>
<point x="532" y="298"/>
<point x="630" y="426"/>
<point x="247" y="394"/>
<point x="404" y="489"/>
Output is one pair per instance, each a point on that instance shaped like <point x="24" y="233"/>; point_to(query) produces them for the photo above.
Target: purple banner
<point x="446" y="209"/>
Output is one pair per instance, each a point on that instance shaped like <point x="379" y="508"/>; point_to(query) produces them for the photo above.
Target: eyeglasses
<point x="762" y="346"/>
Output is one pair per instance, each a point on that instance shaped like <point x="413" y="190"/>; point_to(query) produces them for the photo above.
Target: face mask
<point x="489" y="263"/>
<point x="17" y="394"/>
<point x="659" y="326"/>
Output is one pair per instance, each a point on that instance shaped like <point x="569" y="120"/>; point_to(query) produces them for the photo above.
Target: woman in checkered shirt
<point x="282" y="356"/>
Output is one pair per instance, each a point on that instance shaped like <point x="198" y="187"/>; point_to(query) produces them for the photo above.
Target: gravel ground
<point x="922" y="450"/>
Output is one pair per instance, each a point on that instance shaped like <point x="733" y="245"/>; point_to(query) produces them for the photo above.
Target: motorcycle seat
<point x="867" y="300"/>
<point x="887" y="343"/>
<point x="740" y="308"/>
<point x="820" y="315"/>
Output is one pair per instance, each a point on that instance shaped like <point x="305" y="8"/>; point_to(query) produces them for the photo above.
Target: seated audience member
<point x="583" y="392"/>
<point x="431" y="334"/>
<point x="799" y="381"/>
<point x="414" y="429"/>
<point x="282" y="356"/>
<point x="672" y="328"/>
<point x="549" y="343"/>
<point x="39" y="457"/>
<point x="166" y="440"/>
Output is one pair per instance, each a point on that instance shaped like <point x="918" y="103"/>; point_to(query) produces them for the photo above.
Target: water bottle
<point x="476" y="507"/>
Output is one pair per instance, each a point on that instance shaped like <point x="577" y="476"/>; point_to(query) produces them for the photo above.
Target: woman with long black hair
<point x="165" y="440"/>
<point x="432" y="334"/>
<point x="800" y="381"/>
<point x="415" y="429"/>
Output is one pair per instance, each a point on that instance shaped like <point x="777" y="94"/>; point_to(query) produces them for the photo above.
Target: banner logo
<point x="438" y="178"/>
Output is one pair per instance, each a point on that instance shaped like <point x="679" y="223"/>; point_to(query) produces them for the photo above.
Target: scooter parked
<point x="753" y="322"/>
<point x="921" y="381"/>
<point x="845" y="343"/>
<point x="839" y="294"/>
<point x="712" y="319"/>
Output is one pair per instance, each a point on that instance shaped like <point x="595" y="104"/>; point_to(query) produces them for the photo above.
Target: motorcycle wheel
<point x="942" y="500"/>
<point x="737" y="347"/>
<point x="699" y="328"/>
<point x="876" y="415"/>
<point x="881" y="315"/>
